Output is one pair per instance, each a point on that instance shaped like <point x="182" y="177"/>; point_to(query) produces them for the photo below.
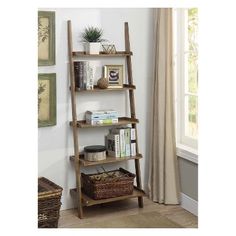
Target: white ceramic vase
<point x="92" y="48"/>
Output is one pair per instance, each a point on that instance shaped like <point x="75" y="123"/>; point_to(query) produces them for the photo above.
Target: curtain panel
<point x="163" y="182"/>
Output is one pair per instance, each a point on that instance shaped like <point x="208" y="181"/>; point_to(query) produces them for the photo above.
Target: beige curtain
<point x="163" y="180"/>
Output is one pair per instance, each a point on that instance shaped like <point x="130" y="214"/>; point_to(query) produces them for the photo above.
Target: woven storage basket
<point x="110" y="187"/>
<point x="49" y="203"/>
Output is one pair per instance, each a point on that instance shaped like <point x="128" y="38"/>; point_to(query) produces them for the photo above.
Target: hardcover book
<point x="121" y="132"/>
<point x="100" y="116"/>
<point x="76" y="74"/>
<point x="133" y="141"/>
<point x="127" y="141"/>
<point x="101" y="112"/>
<point x="83" y="74"/>
<point x="113" y="145"/>
<point x="101" y="122"/>
<point x="132" y="134"/>
<point x="133" y="148"/>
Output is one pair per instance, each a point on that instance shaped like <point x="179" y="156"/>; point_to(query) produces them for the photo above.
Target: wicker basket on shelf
<point x="49" y="203"/>
<point x="109" y="184"/>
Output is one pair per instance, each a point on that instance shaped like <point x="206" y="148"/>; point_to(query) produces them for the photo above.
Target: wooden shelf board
<point x="87" y="201"/>
<point x="117" y="54"/>
<point x="97" y="89"/>
<point x="121" y="121"/>
<point x="109" y="159"/>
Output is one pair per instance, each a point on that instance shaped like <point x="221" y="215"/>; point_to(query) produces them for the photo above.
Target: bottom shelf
<point x="87" y="201"/>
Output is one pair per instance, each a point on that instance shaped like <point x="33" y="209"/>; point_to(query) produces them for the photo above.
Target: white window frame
<point x="181" y="32"/>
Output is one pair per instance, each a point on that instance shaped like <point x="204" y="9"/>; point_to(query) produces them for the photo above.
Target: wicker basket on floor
<point x="97" y="188"/>
<point x="49" y="203"/>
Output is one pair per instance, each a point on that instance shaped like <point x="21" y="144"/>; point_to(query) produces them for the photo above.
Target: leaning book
<point x="133" y="142"/>
<point x="121" y="133"/>
<point x="127" y="141"/>
<point x="113" y="145"/>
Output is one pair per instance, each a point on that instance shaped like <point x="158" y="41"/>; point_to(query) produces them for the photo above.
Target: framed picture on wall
<point x="46" y="38"/>
<point x="46" y="100"/>
<point x="114" y="74"/>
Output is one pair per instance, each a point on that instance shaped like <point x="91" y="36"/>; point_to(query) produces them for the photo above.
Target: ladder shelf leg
<point x="132" y="109"/>
<point x="74" y="117"/>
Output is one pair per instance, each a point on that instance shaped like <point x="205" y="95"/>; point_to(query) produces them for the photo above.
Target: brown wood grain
<point x="117" y="54"/>
<point x="132" y="108"/>
<point x="121" y="121"/>
<point x="82" y="199"/>
<point x="87" y="201"/>
<point x="74" y="122"/>
<point x="97" y="89"/>
<point x="108" y="160"/>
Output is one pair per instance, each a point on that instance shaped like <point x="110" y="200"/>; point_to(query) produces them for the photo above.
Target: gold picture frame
<point x="114" y="74"/>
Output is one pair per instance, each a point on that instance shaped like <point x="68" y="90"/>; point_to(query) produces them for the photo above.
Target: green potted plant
<point x="92" y="37"/>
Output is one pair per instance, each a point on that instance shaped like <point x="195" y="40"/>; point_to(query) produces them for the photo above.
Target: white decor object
<point x="92" y="48"/>
<point x="95" y="153"/>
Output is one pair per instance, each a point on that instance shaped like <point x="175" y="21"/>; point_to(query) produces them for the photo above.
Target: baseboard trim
<point x="189" y="204"/>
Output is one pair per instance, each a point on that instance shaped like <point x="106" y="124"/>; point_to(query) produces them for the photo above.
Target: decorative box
<point x="95" y="153"/>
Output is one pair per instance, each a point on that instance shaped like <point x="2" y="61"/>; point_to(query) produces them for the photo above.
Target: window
<point x="186" y="75"/>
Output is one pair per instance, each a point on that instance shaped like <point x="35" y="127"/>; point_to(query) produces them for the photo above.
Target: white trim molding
<point x="187" y="153"/>
<point x="189" y="204"/>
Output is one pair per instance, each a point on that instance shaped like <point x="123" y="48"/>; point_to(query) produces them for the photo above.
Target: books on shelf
<point x="125" y="139"/>
<point x="133" y="142"/>
<point x="113" y="145"/>
<point x="101" y="117"/>
<point x="121" y="133"/>
<point x="83" y="74"/>
<point x="102" y="121"/>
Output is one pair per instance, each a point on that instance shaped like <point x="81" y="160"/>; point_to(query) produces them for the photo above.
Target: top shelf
<point x="102" y="54"/>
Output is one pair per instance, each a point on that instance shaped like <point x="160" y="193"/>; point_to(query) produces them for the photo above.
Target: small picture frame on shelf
<point x="114" y="75"/>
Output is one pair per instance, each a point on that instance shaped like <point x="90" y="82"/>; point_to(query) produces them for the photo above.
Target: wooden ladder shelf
<point x="76" y="125"/>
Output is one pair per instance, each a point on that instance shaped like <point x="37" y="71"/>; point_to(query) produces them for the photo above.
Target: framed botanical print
<point x="114" y="75"/>
<point x="46" y="100"/>
<point x="46" y="38"/>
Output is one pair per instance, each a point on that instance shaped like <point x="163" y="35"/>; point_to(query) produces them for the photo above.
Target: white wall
<point x="55" y="143"/>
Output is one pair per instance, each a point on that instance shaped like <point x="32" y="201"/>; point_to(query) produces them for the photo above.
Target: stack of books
<point x="83" y="72"/>
<point x="101" y="117"/>
<point x="121" y="142"/>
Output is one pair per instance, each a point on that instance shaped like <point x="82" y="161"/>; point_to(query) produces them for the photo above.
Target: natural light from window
<point x="191" y="65"/>
<point x="186" y="75"/>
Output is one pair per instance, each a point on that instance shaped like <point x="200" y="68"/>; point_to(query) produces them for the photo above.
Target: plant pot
<point x="92" y="48"/>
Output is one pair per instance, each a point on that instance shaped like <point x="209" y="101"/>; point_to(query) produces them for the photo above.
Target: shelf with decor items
<point x="101" y="54"/>
<point x="88" y="201"/>
<point x="121" y="121"/>
<point x="78" y="158"/>
<point x="97" y="89"/>
<point x="108" y="160"/>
